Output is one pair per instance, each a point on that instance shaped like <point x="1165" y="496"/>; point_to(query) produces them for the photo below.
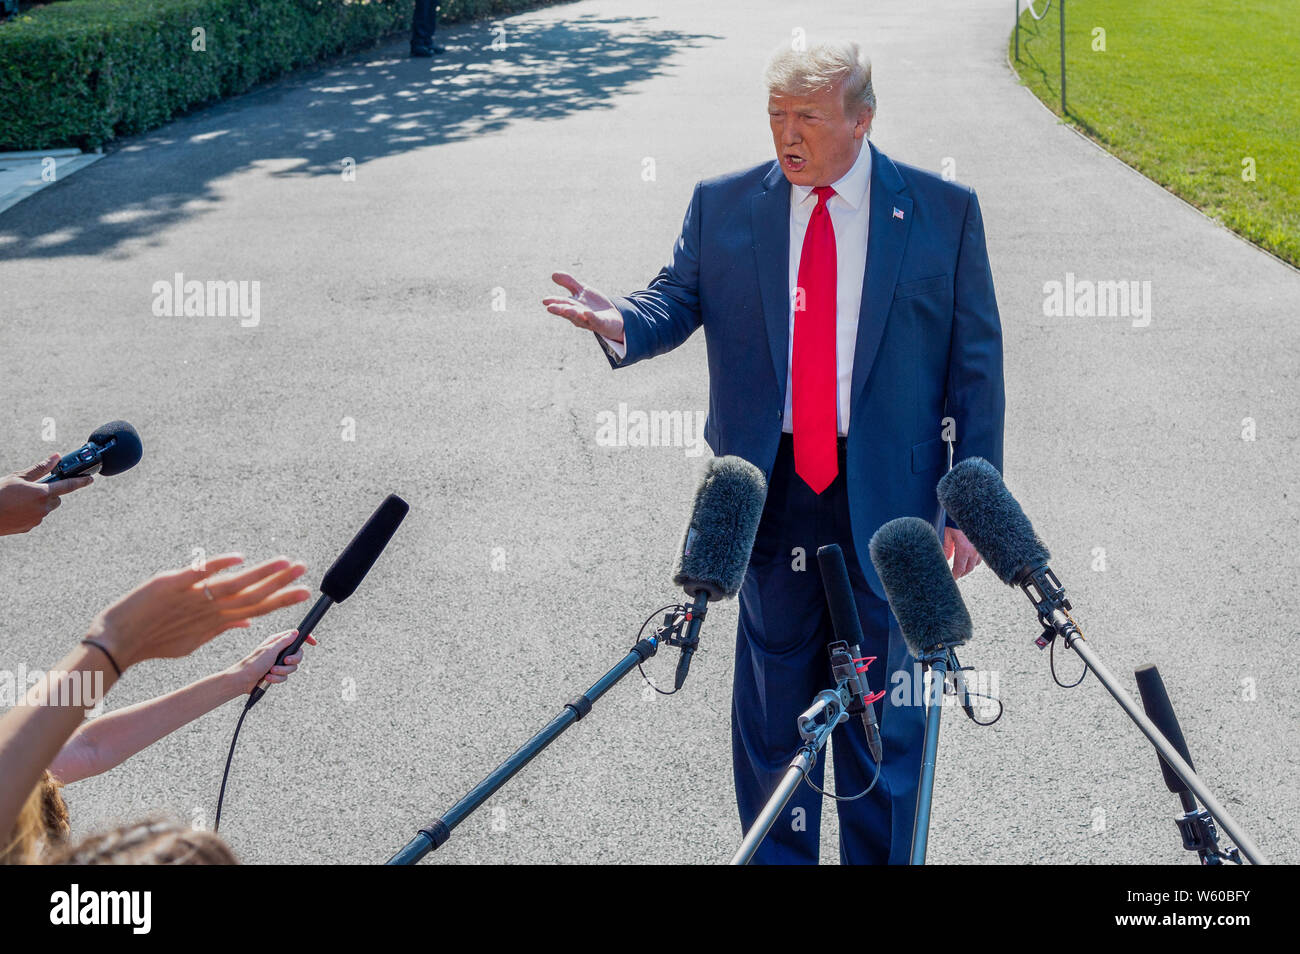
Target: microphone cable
<point x="340" y="582"/>
<point x="966" y="693"/>
<point x="869" y="699"/>
<point x="1051" y="655"/>
<point x="221" y="796"/>
<point x="843" y="798"/>
<point x="678" y="613"/>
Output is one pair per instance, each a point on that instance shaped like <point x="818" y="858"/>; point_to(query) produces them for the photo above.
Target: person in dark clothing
<point x="423" y="25"/>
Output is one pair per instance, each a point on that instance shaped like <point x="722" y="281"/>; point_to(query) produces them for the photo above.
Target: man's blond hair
<point x="798" y="72"/>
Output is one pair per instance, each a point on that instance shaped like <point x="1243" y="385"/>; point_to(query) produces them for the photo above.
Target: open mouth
<point x="792" y="162"/>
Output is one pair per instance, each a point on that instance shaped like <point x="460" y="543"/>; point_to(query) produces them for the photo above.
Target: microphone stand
<point x="937" y="662"/>
<point x="829" y="709"/>
<point x="437" y="832"/>
<point x="1195" y="824"/>
<point x="1048" y="596"/>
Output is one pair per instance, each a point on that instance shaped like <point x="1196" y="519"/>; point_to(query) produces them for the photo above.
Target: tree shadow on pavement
<point x="372" y="104"/>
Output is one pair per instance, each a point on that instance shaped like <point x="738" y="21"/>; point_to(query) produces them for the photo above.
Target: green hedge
<point x="82" y="72"/>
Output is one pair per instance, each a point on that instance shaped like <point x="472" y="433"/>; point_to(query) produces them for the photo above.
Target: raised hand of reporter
<point x="170" y="615"/>
<point x="24" y="503"/>
<point x="177" y="611"/>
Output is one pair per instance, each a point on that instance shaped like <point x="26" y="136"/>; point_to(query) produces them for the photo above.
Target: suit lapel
<point x="886" y="238"/>
<point x="770" y="223"/>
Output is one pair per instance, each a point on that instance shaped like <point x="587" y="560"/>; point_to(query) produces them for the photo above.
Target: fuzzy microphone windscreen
<point x="714" y="555"/>
<point x="908" y="556"/>
<point x="124" y="454"/>
<point x="976" y="498"/>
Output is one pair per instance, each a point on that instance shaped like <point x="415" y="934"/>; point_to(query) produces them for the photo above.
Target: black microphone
<point x="343" y="578"/>
<point x="1155" y="700"/>
<point x="714" y="555"/>
<point x="111" y="449"/>
<point x="848" y="630"/>
<point x="1196" y="825"/>
<point x="975" y="496"/>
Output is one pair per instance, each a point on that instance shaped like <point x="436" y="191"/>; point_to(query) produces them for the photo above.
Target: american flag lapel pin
<point x="898" y="213"/>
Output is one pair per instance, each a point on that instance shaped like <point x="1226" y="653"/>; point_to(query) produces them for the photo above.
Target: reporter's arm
<point x="111" y="739"/>
<point x="168" y="616"/>
<point x="32" y="733"/>
<point x="25" y="502"/>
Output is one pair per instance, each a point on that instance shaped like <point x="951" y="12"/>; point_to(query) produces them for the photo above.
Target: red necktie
<point x="812" y="377"/>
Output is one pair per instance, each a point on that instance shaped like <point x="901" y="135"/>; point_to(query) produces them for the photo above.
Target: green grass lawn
<point x="1186" y="91"/>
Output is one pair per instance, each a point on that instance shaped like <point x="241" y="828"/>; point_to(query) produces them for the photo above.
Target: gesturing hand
<point x="177" y="611"/>
<point x="24" y="503"/>
<point x="586" y="307"/>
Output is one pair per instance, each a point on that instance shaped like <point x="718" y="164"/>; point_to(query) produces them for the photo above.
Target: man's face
<point x="816" y="140"/>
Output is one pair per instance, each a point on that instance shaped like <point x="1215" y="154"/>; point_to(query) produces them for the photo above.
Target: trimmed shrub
<point x="83" y="72"/>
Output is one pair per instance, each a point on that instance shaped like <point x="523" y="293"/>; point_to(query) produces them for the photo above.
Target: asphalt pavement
<point x="398" y="345"/>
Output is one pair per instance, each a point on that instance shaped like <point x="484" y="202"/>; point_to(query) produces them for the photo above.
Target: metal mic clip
<point x="847" y="676"/>
<point x="1200" y="836"/>
<point x="1048" y="596"/>
<point x="844" y="671"/>
<point x="686" y="635"/>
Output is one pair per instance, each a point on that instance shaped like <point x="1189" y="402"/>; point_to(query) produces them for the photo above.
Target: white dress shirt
<point x="850" y="208"/>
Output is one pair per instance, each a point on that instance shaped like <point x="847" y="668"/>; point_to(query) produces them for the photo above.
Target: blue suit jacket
<point x="929" y="341"/>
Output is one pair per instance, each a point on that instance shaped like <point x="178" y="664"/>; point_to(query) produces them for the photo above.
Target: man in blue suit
<point x="855" y="353"/>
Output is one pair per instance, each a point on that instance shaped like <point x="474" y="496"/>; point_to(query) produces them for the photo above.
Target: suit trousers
<point x="781" y="665"/>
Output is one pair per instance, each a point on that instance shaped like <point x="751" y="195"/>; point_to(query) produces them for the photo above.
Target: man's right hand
<point x="24" y="503"/>
<point x="585" y="307"/>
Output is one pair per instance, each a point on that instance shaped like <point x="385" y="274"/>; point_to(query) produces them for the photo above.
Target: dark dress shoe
<point x="426" y="51"/>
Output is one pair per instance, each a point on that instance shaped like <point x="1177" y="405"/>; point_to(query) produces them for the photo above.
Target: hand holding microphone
<point x="26" y="500"/>
<point x="340" y="582"/>
<point x="342" y="579"/>
<point x="262" y="663"/>
<point x="109" y="450"/>
<point x="29" y="496"/>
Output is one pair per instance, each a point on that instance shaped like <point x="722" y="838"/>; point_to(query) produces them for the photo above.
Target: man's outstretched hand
<point x="585" y="307"/>
<point x="24" y="503"/>
<point x="961" y="551"/>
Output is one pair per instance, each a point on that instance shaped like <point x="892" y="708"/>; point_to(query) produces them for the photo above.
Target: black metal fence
<point x="1031" y="6"/>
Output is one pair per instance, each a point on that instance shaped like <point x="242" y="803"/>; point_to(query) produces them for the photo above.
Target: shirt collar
<point x="852" y="186"/>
